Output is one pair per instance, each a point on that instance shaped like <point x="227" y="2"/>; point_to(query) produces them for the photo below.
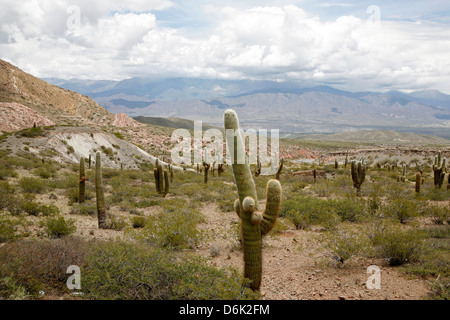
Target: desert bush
<point x="84" y="209"/>
<point x="10" y="229"/>
<point x="39" y="265"/>
<point x="32" y="185"/>
<point x="116" y="223"/>
<point x="396" y="244"/>
<point x="343" y="243"/>
<point x="438" y="214"/>
<point x="304" y="211"/>
<point x="152" y="274"/>
<point x="348" y="209"/>
<point x="174" y="227"/>
<point x="47" y="171"/>
<point x="138" y="222"/>
<point x="401" y="209"/>
<point x="58" y="227"/>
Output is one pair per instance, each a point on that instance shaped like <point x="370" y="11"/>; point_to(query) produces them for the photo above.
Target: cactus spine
<point x="254" y="224"/>
<point x="101" y="211"/>
<point x="418" y="181"/>
<point x="358" y="175"/>
<point x="82" y="186"/>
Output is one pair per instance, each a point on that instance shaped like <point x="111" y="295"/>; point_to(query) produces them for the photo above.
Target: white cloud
<point x="118" y="41"/>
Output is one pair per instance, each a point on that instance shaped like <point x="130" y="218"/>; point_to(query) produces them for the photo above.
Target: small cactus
<point x="279" y="169"/>
<point x="101" y="211"/>
<point x="336" y="164"/>
<point x="358" y="174"/>
<point x="220" y="169"/>
<point x="403" y="178"/>
<point x="346" y="160"/>
<point x="439" y="169"/>
<point x="418" y="181"/>
<point x="162" y="180"/>
<point x="206" y="166"/>
<point x="82" y="186"/>
<point x="254" y="224"/>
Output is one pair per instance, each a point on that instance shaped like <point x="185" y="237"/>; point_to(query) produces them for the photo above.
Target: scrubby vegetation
<point x="44" y="228"/>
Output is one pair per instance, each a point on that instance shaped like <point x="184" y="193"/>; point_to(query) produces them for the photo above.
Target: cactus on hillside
<point x="82" y="186"/>
<point x="206" y="166"/>
<point x="403" y="178"/>
<point x="162" y="181"/>
<point x="90" y="161"/>
<point x="258" y="168"/>
<point x="254" y="224"/>
<point x="439" y="169"/>
<point x="279" y="169"/>
<point x="336" y="164"/>
<point x="418" y="181"/>
<point x="101" y="211"/>
<point x="346" y="160"/>
<point x="358" y="172"/>
<point x="220" y="169"/>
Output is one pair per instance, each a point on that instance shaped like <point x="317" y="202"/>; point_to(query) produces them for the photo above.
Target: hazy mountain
<point x="288" y="106"/>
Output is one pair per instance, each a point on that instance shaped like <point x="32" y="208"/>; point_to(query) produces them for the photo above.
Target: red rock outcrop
<point x="15" y="116"/>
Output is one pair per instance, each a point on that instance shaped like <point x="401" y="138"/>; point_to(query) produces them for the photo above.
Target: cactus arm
<point x="273" y="196"/>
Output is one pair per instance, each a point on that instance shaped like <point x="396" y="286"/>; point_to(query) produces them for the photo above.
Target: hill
<point x="57" y="104"/>
<point x="380" y="137"/>
<point x="172" y="122"/>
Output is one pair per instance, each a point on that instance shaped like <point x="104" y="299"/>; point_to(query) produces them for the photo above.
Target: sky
<point x="373" y="45"/>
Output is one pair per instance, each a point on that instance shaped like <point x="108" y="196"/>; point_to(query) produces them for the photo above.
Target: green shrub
<point x="49" y="210"/>
<point x="138" y="222"/>
<point x="396" y="244"/>
<point x="57" y="227"/>
<point x="32" y="185"/>
<point x="174" y="227"/>
<point x="9" y="229"/>
<point x="342" y="244"/>
<point x="39" y="265"/>
<point x="304" y="211"/>
<point x="84" y="209"/>
<point x="151" y="274"/>
<point x="401" y="209"/>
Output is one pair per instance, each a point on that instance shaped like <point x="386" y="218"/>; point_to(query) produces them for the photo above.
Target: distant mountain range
<point x="288" y="106"/>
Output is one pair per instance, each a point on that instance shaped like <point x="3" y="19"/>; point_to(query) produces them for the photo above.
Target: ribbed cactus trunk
<point x="279" y="169"/>
<point x="439" y="169"/>
<point x="403" y="173"/>
<point x="358" y="175"/>
<point x="254" y="224"/>
<point x="101" y="211"/>
<point x="418" y="181"/>
<point x="206" y="166"/>
<point x="82" y="187"/>
<point x="162" y="179"/>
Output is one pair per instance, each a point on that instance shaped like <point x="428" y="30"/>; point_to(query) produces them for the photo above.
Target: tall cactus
<point x="101" y="211"/>
<point x="82" y="186"/>
<point x="279" y="169"/>
<point x="418" y="181"/>
<point x="358" y="174"/>
<point x="403" y="178"/>
<point x="254" y="224"/>
<point x="162" y="181"/>
<point x="439" y="169"/>
<point x="206" y="166"/>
